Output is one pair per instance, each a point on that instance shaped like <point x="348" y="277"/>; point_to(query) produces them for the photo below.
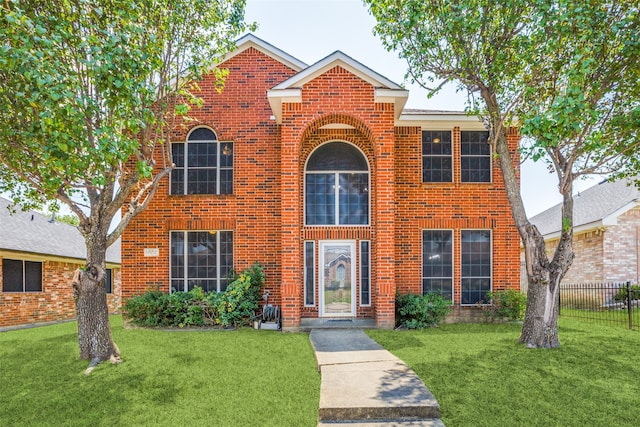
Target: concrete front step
<point x="385" y="423"/>
<point x="364" y="384"/>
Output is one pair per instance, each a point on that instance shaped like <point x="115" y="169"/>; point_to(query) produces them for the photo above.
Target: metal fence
<point x="609" y="303"/>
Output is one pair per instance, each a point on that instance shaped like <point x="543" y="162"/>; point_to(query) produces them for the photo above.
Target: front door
<point x="337" y="278"/>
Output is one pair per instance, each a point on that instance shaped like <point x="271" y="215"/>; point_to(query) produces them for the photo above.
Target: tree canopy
<point x="565" y="73"/>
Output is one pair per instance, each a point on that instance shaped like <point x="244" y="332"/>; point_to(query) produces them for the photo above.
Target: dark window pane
<point x="337" y="156"/>
<point x="201" y="181"/>
<point x="354" y="198"/>
<point x="309" y="273"/>
<point x="108" y="282"/>
<point x="476" y="265"/>
<point x="177" y="254"/>
<point x="475" y="159"/>
<point x="202" y="155"/>
<point x="437" y="169"/>
<point x="202" y="134"/>
<point x="226" y="181"/>
<point x="320" y="199"/>
<point x="177" y="181"/>
<point x="226" y="154"/>
<point x="365" y="273"/>
<point x="437" y="262"/>
<point x="177" y="150"/>
<point x="12" y="275"/>
<point x="436" y="143"/>
<point x="226" y="258"/>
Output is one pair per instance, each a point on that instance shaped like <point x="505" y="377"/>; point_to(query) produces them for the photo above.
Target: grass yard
<point x="181" y="378"/>
<point x="481" y="376"/>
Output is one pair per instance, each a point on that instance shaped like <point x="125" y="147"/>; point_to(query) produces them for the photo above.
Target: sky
<point x="310" y="30"/>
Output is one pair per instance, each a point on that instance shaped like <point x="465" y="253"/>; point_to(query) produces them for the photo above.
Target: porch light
<point x="436" y="140"/>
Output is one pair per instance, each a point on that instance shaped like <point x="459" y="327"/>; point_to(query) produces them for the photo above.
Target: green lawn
<point x="181" y="378"/>
<point x="481" y="376"/>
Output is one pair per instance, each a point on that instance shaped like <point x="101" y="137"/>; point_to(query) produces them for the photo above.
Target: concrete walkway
<point x="362" y="384"/>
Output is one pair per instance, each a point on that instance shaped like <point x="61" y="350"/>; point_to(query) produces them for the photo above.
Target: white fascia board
<point x="612" y="218"/>
<point x="277" y="97"/>
<point x="249" y="40"/>
<point x="338" y="59"/>
<point x="398" y="97"/>
<point x="584" y="228"/>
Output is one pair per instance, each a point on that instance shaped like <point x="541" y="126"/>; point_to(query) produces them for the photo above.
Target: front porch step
<point x="343" y="323"/>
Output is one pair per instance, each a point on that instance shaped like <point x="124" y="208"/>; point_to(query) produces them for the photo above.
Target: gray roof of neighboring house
<point x="33" y="232"/>
<point x="593" y="206"/>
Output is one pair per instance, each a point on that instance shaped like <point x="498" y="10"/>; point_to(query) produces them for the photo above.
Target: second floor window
<point x="475" y="156"/>
<point x="437" y="164"/>
<point x="204" y="165"/>
<point x="337" y="186"/>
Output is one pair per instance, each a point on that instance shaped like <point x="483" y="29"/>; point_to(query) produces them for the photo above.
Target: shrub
<point x="233" y="307"/>
<point x="621" y="295"/>
<point x="421" y="311"/>
<point x="509" y="304"/>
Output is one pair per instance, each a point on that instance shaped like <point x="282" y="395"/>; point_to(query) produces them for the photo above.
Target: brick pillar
<point x="385" y="225"/>
<point x="291" y="286"/>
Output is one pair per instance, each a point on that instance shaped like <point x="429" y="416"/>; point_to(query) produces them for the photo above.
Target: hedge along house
<point x="318" y="173"/>
<point x="38" y="257"/>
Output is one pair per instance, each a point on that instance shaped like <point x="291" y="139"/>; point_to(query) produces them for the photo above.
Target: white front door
<point x="337" y="278"/>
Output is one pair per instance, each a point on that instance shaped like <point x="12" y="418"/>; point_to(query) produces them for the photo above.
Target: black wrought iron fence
<point x="610" y="303"/>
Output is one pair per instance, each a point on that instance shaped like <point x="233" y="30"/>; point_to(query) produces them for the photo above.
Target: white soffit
<point x="439" y="120"/>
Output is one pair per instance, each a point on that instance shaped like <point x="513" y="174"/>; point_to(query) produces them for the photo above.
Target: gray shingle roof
<point x="590" y="206"/>
<point x="32" y="232"/>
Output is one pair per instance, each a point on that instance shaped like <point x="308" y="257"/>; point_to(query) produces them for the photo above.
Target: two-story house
<point x="318" y="173"/>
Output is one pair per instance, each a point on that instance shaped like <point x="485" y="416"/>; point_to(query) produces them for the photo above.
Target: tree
<point x="565" y="72"/>
<point x="89" y="90"/>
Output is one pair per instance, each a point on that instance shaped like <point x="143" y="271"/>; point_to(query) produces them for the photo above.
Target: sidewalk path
<point x="362" y="384"/>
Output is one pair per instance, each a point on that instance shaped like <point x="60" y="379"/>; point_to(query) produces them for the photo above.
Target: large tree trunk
<point x="94" y="331"/>
<point x="540" y="327"/>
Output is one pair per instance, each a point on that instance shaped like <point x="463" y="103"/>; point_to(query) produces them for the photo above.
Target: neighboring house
<point x="300" y="166"/>
<point x="606" y="233"/>
<point x="38" y="257"/>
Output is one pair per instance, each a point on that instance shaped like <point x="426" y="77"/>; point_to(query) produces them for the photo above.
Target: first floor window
<point x="365" y="273"/>
<point x="437" y="262"/>
<point x="109" y="281"/>
<point x="309" y="274"/>
<point x="21" y="276"/>
<point x="476" y="266"/>
<point x="201" y="258"/>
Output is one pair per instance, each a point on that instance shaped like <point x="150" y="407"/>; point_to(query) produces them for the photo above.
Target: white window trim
<point x="453" y="271"/>
<point x="490" y="264"/>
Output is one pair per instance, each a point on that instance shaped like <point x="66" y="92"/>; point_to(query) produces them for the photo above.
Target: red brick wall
<point x="266" y="210"/>
<point x="241" y="114"/>
<point x="451" y="206"/>
<point x="55" y="302"/>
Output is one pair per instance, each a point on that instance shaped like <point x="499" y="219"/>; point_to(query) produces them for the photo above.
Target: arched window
<point x="204" y="165"/>
<point x="337" y="186"/>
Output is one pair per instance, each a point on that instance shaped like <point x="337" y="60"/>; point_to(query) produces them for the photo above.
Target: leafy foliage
<point x="421" y="311"/>
<point x="508" y="304"/>
<point x="233" y="307"/>
<point x="622" y="294"/>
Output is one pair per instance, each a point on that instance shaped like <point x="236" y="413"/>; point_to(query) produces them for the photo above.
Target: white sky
<point x="313" y="29"/>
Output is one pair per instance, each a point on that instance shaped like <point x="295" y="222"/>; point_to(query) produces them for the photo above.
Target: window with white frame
<point x="475" y="156"/>
<point x="108" y="281"/>
<point x="21" y="276"/>
<point x="437" y="156"/>
<point x="201" y="258"/>
<point x="437" y="262"/>
<point x="337" y="186"/>
<point x="475" y="247"/>
<point x="203" y="165"/>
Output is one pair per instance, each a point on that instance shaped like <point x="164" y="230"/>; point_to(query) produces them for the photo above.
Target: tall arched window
<point x="337" y="186"/>
<point x="204" y="165"/>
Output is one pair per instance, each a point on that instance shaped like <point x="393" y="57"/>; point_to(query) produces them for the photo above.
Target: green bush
<point x="233" y="307"/>
<point x="421" y="311"/>
<point x="509" y="304"/>
<point x="621" y="296"/>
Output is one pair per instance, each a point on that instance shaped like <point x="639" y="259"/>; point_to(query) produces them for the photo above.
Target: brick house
<point x="304" y="168"/>
<point x="606" y="233"/>
<point x="38" y="257"/>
